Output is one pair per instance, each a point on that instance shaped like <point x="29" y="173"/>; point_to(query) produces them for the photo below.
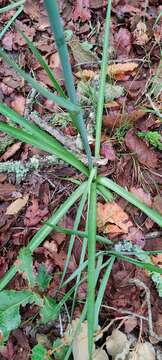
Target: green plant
<point x="87" y="191"/>
<point x="154" y="138"/>
<point x="121" y="131"/>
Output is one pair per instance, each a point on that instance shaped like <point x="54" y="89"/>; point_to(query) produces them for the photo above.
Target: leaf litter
<point x="129" y="77"/>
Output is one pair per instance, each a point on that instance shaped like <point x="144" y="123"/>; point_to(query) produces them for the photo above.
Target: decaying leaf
<point x="112" y="213"/>
<point x="123" y="68"/>
<point x="143" y="351"/>
<point x="80" y="54"/>
<point x="139" y="148"/>
<point x="85" y="74"/>
<point x="117" y="345"/>
<point x="17" y="205"/>
<point x="11" y="151"/>
<point x="142" y="195"/>
<point x="115" y="120"/>
<point x="141" y="34"/>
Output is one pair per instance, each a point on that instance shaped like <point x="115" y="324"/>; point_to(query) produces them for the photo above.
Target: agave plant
<point x="87" y="191"/>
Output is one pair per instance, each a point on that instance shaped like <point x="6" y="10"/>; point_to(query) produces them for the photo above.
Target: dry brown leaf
<point x="85" y="74"/>
<point x="112" y="213"/>
<point x="115" y="120"/>
<point x="11" y="151"/>
<point x="157" y="203"/>
<point x="116" y="69"/>
<point x="141" y="34"/>
<point x="17" y="205"/>
<point x="139" y="148"/>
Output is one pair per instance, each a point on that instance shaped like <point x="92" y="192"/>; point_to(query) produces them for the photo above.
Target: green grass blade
<point x="41" y="234"/>
<point x="101" y="93"/>
<point x="12" y="6"/>
<point x="106" y="194"/>
<point x="47" y="142"/>
<point x="12" y="19"/>
<point x="44" y="65"/>
<point x="144" y="265"/>
<point x="57" y="28"/>
<point x="101" y="291"/>
<point x="72" y="238"/>
<point x="91" y="224"/>
<point x="37" y="86"/>
<point x="132" y="199"/>
<point x="82" y="234"/>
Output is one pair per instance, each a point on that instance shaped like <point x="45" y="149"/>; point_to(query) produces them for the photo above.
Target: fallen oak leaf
<point x="112" y="213"/>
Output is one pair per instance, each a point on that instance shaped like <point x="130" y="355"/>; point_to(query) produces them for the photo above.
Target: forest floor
<point x="131" y="154"/>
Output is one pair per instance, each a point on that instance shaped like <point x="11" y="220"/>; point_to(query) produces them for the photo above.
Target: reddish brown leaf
<point x="115" y="119"/>
<point x="34" y="214"/>
<point x="7" y="41"/>
<point x="18" y="104"/>
<point x="11" y="151"/>
<point x="123" y="42"/>
<point x="81" y="10"/>
<point x="112" y="213"/>
<point x="108" y="151"/>
<point x="138" y="147"/>
<point x="142" y="195"/>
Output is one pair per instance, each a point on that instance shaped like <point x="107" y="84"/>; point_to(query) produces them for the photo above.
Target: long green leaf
<point x="10" y="22"/>
<point x="37" y="86"/>
<point x="154" y="215"/>
<point x="91" y="266"/>
<point x="11" y="6"/>
<point x="41" y="235"/>
<point x="82" y="234"/>
<point x="44" y="65"/>
<point x="38" y="138"/>
<point x="101" y="291"/>
<point x="102" y="81"/>
<point x="57" y="28"/>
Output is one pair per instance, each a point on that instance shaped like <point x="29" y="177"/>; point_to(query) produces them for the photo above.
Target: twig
<point x="153" y="106"/>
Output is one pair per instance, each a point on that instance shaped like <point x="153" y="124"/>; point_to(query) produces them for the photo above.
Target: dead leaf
<point x="130" y="324"/>
<point x="115" y="119"/>
<point x="142" y="195"/>
<point x="140" y="34"/>
<point x="112" y="213"/>
<point x="157" y="203"/>
<point x="18" y="39"/>
<point x="7" y="40"/>
<point x="17" y="205"/>
<point x="138" y="147"/>
<point x="18" y="104"/>
<point x="85" y="74"/>
<point x="6" y="191"/>
<point x="123" y="42"/>
<point x="143" y="351"/>
<point x="117" y="345"/>
<point x="34" y="214"/>
<point x="81" y="55"/>
<point x="123" y="68"/>
<point x="81" y="10"/>
<point x="11" y="151"/>
<point x="108" y="151"/>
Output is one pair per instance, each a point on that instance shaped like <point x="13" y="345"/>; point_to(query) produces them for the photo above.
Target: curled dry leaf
<point x="140" y="34"/>
<point x="11" y="151"/>
<point x="112" y="213"/>
<point x="117" y="345"/>
<point x="123" y="68"/>
<point x="138" y="147"/>
<point x="17" y="205"/>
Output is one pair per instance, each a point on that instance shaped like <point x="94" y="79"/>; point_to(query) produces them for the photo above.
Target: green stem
<point x="102" y="81"/>
<point x="12" y="6"/>
<point x="12" y="19"/>
<point x="57" y="28"/>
